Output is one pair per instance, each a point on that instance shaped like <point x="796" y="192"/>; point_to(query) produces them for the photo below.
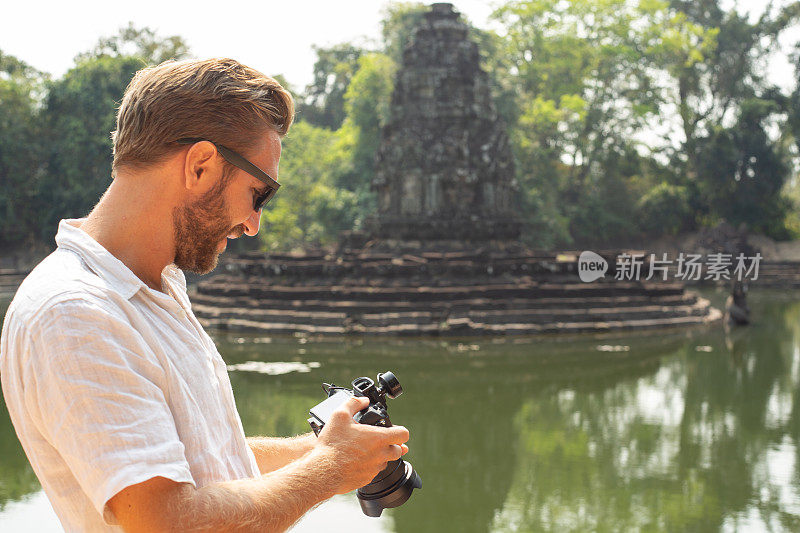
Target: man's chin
<point x="209" y="266"/>
<point x="199" y="266"/>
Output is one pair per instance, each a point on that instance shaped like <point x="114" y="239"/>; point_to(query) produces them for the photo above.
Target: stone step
<point x="399" y="269"/>
<point x="479" y="253"/>
<point x="389" y="317"/>
<point x="406" y="265"/>
<point x="532" y="290"/>
<point x="599" y="314"/>
<point x="776" y="284"/>
<point x="462" y="326"/>
<point x="317" y="318"/>
<point x="10" y="280"/>
<point x="272" y="328"/>
<point x="399" y="264"/>
<point x="578" y="327"/>
<point x="357" y="306"/>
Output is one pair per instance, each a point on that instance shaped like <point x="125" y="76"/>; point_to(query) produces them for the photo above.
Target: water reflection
<point x="16" y="476"/>
<point x="663" y="432"/>
<point x="707" y="441"/>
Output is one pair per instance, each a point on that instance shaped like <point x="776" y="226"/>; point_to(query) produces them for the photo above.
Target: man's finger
<point x="356" y="404"/>
<point x="398" y="434"/>
<point x="395" y="452"/>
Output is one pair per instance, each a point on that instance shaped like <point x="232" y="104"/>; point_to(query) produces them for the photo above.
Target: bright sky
<point x="274" y="37"/>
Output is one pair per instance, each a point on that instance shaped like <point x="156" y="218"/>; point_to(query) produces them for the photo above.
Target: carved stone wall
<point x="444" y="167"/>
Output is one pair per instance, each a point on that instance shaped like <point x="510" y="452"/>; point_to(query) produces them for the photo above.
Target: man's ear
<point x="200" y="165"/>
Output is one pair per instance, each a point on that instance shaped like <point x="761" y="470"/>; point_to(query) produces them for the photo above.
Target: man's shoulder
<point x="61" y="278"/>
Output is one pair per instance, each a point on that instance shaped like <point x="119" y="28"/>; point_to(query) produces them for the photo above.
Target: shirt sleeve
<point x="98" y="394"/>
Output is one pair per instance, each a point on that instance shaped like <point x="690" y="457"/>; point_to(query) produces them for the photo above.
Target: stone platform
<point x="778" y="275"/>
<point x="458" y="293"/>
<point x="10" y="279"/>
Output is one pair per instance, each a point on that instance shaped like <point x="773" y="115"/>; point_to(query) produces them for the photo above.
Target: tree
<point x="367" y="103"/>
<point x="79" y="114"/>
<point x="595" y="80"/>
<point x="309" y="210"/>
<point x="138" y="42"/>
<point x="741" y="172"/>
<point x="323" y="104"/>
<point x="729" y="86"/>
<point x="329" y="173"/>
<point x="727" y="70"/>
<point x="584" y="92"/>
<point x="21" y="87"/>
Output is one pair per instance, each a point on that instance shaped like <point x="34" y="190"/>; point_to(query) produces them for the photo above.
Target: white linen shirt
<point x="110" y="383"/>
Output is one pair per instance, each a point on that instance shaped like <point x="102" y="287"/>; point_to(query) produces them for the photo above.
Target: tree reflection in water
<point x="16" y="475"/>
<point x="707" y="441"/>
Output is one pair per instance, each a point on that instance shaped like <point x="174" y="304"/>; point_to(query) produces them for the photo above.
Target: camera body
<point x="394" y="484"/>
<point x="375" y="415"/>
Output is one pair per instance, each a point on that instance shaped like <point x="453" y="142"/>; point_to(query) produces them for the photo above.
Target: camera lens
<point x="390" y="488"/>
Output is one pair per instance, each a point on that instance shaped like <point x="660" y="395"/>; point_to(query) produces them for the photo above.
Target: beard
<point x="199" y="228"/>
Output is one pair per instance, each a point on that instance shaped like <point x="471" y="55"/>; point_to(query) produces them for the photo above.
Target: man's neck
<point x="133" y="221"/>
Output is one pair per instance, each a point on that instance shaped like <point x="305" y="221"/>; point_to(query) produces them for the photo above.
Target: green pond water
<point x="659" y="431"/>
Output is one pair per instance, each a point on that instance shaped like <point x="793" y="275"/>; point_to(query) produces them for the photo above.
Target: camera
<point x="394" y="484"/>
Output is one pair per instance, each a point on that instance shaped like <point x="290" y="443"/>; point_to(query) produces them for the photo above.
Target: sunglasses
<point x="241" y="163"/>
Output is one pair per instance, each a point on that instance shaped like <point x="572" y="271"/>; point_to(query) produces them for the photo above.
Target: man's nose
<point x="252" y="223"/>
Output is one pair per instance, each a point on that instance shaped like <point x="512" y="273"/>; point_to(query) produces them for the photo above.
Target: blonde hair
<point x="216" y="99"/>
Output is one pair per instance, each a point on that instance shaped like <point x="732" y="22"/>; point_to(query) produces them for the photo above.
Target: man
<point x="120" y="399"/>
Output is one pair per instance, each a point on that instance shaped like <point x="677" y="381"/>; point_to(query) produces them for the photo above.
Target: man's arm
<point x="273" y="453"/>
<point x="347" y="455"/>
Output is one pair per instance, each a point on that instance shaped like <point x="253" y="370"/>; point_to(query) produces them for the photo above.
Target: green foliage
<point x="20" y="149"/>
<point x="55" y="145"/>
<point x="323" y="104"/>
<point x="367" y="106"/>
<point x="591" y="80"/>
<point x="79" y="115"/>
<point x="329" y="172"/>
<point x="369" y="93"/>
<point x="741" y="173"/>
<point x="664" y="210"/>
<point x="309" y="210"/>
<point x="584" y="90"/>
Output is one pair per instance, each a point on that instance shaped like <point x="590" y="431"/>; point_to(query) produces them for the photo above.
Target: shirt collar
<point x="173" y="275"/>
<point x="70" y="236"/>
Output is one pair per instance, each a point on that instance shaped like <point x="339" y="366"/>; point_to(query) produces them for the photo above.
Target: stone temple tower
<point x="444" y="167"/>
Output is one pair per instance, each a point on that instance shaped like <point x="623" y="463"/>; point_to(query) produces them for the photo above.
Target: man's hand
<point x="357" y="452"/>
